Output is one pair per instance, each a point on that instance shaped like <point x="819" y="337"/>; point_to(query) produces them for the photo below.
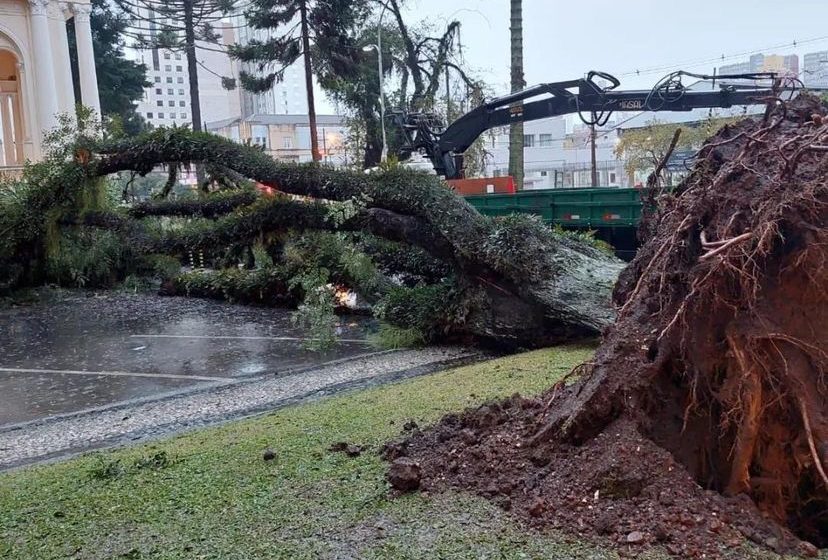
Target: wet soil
<point x="618" y="488"/>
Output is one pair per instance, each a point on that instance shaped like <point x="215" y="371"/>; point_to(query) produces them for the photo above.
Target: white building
<point x="554" y="158"/>
<point x="815" y="69"/>
<point x="287" y="96"/>
<point x="167" y="101"/>
<point x="35" y="73"/>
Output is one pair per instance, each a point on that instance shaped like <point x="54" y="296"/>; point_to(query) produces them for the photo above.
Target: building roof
<point x="321" y="120"/>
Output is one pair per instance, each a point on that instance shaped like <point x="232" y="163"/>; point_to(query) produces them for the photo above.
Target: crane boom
<point x="445" y="147"/>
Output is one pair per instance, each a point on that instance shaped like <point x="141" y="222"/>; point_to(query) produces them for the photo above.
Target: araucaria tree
<point x="293" y="27"/>
<point x="419" y="64"/>
<point x="513" y="282"/>
<point x="179" y="26"/>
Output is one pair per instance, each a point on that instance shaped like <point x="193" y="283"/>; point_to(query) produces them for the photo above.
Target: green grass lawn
<point x="210" y="494"/>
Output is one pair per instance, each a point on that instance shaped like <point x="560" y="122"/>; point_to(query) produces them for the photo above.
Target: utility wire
<point x="711" y="60"/>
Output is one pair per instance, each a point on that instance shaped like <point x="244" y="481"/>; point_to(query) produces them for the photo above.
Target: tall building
<point x="167" y="101"/>
<point x="287" y="96"/>
<point x="815" y="69"/>
<point x="784" y="65"/>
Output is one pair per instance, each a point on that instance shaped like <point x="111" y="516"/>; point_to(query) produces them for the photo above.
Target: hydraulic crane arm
<point x="445" y="148"/>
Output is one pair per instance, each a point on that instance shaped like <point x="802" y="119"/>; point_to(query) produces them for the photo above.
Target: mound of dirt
<point x="618" y="487"/>
<point x="703" y="418"/>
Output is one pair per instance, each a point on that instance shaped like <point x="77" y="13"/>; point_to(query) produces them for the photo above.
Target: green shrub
<point x="424" y="309"/>
<point x="316" y="313"/>
<point x="391" y="337"/>
<point x="587" y="237"/>
<point x="268" y="286"/>
<point x="87" y="258"/>
<point x="162" y="267"/>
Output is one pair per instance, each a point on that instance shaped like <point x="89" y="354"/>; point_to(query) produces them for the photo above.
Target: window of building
<point x="183" y="115"/>
<point x="170" y="91"/>
<point x="168" y="68"/>
<point x="178" y="56"/>
<point x="178" y="68"/>
<point x="158" y="79"/>
<point x="182" y="103"/>
<point x="149" y="115"/>
<point x="169" y="79"/>
<point x="181" y="92"/>
<point x="528" y="140"/>
<point x="612" y="175"/>
<point x="160" y="103"/>
<point x="158" y="91"/>
<point x="180" y="80"/>
<point x="287" y="143"/>
<point x="160" y="115"/>
<point x="171" y="103"/>
<point x="166" y="56"/>
<point x="545" y="140"/>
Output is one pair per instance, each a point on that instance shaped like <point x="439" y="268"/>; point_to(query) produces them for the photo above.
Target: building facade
<point x="35" y="73"/>
<point x="815" y="69"/>
<point x="555" y="158"/>
<point x="167" y="101"/>
<point x="784" y="65"/>
<point x="287" y="96"/>
<point x="287" y="137"/>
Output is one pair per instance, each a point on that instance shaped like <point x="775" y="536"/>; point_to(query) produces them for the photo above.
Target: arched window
<point x="11" y="119"/>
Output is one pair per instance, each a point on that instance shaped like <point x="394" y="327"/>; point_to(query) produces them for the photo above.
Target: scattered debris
<point x="404" y="474"/>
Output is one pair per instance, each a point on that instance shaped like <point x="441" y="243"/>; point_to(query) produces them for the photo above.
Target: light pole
<point x="378" y="48"/>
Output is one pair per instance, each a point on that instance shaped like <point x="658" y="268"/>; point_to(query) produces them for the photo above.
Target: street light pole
<point x="378" y="48"/>
<point x="381" y="86"/>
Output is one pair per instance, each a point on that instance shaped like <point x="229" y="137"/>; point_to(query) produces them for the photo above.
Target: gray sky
<point x="563" y="40"/>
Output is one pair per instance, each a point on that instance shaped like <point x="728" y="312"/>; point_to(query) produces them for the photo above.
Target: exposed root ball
<point x="718" y="357"/>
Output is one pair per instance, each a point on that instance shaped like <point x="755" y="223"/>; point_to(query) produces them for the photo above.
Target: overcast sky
<point x="564" y="40"/>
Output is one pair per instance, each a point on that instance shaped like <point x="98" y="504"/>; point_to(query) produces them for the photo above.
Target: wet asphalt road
<point x="82" y="352"/>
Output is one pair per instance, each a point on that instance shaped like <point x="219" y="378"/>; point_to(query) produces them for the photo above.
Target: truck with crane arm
<point x="613" y="212"/>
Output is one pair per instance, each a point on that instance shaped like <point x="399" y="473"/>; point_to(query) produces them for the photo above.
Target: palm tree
<point x="518" y="83"/>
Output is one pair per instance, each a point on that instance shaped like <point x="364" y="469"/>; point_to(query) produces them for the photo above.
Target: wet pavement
<point x="85" y="351"/>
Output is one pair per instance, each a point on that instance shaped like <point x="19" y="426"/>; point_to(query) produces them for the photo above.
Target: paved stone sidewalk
<point x="62" y="436"/>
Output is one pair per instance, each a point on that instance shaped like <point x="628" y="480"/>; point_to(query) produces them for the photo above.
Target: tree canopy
<point x="643" y="149"/>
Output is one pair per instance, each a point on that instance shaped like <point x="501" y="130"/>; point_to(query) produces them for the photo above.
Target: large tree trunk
<point x="522" y="284"/>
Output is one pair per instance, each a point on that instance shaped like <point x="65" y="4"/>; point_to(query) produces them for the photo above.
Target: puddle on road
<point x="96" y="334"/>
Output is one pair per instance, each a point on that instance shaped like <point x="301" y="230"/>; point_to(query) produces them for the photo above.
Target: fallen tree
<point x="515" y="282"/>
<point x="713" y="376"/>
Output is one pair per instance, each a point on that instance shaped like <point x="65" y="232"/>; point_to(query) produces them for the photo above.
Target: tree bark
<point x="314" y="133"/>
<point x="518" y="83"/>
<point x="192" y="76"/>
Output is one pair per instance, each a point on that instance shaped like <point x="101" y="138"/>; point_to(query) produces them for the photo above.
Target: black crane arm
<point x="445" y="148"/>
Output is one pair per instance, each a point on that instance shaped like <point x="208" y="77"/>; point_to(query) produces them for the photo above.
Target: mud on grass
<point x="216" y="497"/>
